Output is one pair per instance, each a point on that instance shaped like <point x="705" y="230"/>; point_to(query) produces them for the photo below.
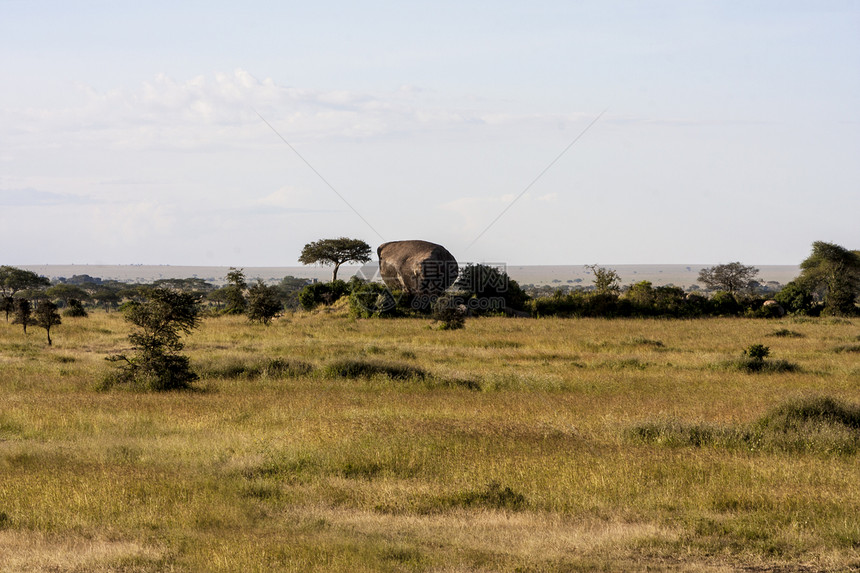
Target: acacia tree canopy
<point x="264" y="302"/>
<point x="834" y="272"/>
<point x="13" y="279"/>
<point x="731" y="277"/>
<point x="606" y="281"/>
<point x="335" y="252"/>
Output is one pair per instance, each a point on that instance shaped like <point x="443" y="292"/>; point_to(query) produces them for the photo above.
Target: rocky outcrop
<point x="417" y="267"/>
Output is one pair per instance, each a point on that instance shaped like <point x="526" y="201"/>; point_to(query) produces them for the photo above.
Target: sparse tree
<point x="264" y="302"/>
<point x="732" y="277"/>
<point x="606" y="281"/>
<point x="161" y="318"/>
<point x="234" y="292"/>
<point x="335" y="252"/>
<point x="107" y="297"/>
<point x="46" y="316"/>
<point x="7" y="305"/>
<point x="833" y="272"/>
<point x="66" y="292"/>
<point x="23" y="313"/>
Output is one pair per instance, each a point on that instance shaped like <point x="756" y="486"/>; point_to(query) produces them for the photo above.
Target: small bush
<point x="753" y="360"/>
<point x="448" y="314"/>
<point x="316" y="294"/>
<point x="763" y="366"/>
<point x="757" y="352"/>
<point x="373" y="300"/>
<point x="75" y="309"/>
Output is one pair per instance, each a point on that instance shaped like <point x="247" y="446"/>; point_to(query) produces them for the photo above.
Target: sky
<point x="542" y="132"/>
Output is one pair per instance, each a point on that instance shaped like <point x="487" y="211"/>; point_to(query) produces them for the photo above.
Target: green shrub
<point x="75" y="309"/>
<point x="725" y="304"/>
<point x="373" y="300"/>
<point x="448" y="313"/>
<point x="488" y="290"/>
<point x="757" y="352"/>
<point x="316" y="294"/>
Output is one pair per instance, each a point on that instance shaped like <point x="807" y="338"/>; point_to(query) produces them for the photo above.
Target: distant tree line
<point x="829" y="284"/>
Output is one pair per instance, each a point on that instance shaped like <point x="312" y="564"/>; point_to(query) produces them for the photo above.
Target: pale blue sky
<point x="129" y="131"/>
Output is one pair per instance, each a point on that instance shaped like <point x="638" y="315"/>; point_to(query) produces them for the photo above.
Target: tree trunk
<point x="334" y="272"/>
<point x="48" y="331"/>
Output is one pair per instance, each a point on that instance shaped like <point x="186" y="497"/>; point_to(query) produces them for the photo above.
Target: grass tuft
<point x="819" y="410"/>
<point x="821" y="425"/>
<point x="847" y="348"/>
<point x="352" y="368"/>
<point x="754" y="365"/>
<point x="642" y="341"/>
<point x="785" y="333"/>
<point x="492" y="496"/>
<point x="674" y="433"/>
<point x="251" y="369"/>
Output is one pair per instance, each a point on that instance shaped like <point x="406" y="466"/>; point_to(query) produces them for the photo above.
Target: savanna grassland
<point x="327" y="443"/>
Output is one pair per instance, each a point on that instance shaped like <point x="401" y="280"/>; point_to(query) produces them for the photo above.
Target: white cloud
<point x="221" y="111"/>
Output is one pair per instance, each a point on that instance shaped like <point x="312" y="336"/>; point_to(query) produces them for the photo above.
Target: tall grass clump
<point x="818" y="424"/>
<point x="812" y="424"/>
<point x="785" y="333"/>
<point x="353" y="368"/>
<point x="238" y="368"/>
<point x="491" y="496"/>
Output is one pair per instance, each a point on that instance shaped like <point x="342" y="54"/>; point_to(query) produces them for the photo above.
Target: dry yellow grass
<point x="265" y="469"/>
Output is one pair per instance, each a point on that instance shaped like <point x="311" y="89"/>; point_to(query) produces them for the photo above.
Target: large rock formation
<point x="417" y="267"/>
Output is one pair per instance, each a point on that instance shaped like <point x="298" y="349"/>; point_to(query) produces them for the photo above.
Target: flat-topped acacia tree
<point x="335" y="252"/>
